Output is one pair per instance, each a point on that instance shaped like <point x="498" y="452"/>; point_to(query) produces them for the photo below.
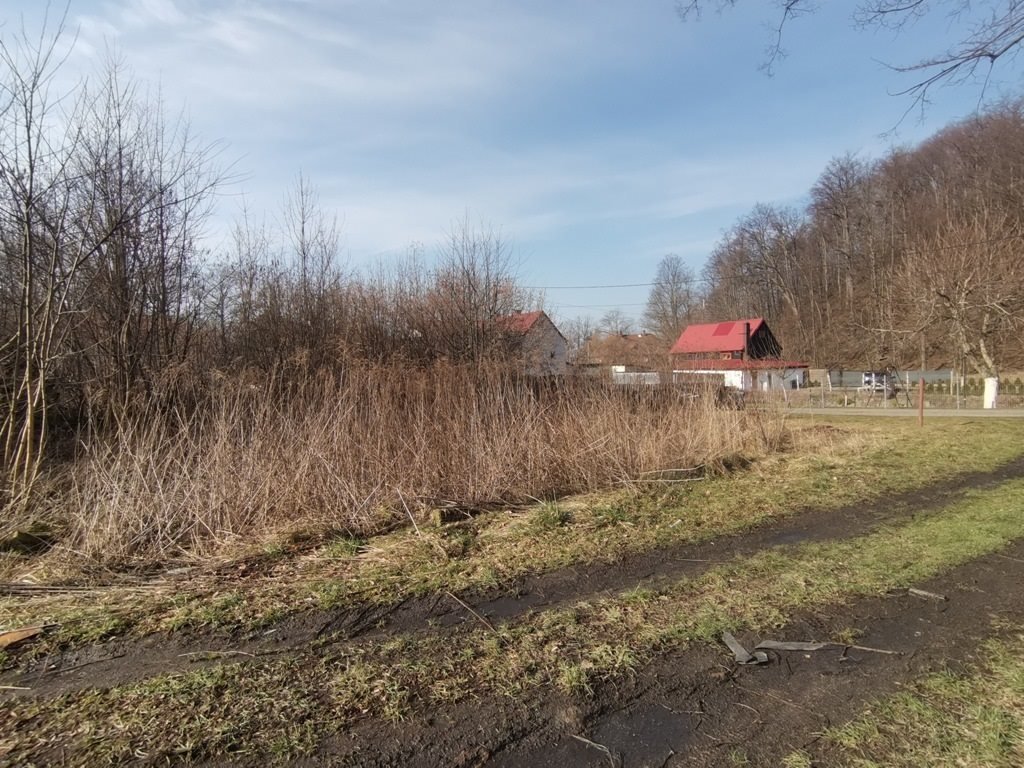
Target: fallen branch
<point x="64" y="670"/>
<point x="31" y="590"/>
<point x="479" y="617"/>
<point x="218" y="654"/>
<point x="18" y="590"/>
<point x="872" y="650"/>
<point x="613" y="760"/>
<point x="780" y="699"/>
<point x="926" y="595"/>
<point x="408" y="512"/>
<point x="680" y="470"/>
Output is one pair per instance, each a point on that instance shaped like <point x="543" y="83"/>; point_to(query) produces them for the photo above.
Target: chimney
<point x="746" y="341"/>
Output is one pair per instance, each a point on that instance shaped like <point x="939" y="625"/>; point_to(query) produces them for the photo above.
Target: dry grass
<point x="259" y="582"/>
<point x="370" y="449"/>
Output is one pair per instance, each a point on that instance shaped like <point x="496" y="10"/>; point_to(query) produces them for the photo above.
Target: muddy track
<point x="119" y="662"/>
<point x="667" y="565"/>
<point x="693" y="708"/>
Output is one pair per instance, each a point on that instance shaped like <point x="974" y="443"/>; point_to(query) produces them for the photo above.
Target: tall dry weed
<point x="364" y="449"/>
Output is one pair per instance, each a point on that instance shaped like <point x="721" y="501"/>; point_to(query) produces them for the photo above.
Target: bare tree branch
<point x="995" y="33"/>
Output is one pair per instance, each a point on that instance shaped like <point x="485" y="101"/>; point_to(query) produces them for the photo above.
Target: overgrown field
<point x="252" y="583"/>
<point x="228" y="699"/>
<point x="367" y="449"/>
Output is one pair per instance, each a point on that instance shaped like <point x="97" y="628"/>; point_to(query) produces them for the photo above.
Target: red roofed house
<point x="542" y="347"/>
<point x="744" y="353"/>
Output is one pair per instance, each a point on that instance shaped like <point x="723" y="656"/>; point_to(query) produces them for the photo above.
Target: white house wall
<point x="748" y="381"/>
<point x="734" y="379"/>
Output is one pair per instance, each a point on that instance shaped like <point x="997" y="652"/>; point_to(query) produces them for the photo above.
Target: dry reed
<point x="356" y="450"/>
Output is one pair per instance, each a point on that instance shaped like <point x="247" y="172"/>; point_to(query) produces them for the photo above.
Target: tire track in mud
<point x="120" y="662"/>
<point x="695" y="707"/>
<point x="548" y="590"/>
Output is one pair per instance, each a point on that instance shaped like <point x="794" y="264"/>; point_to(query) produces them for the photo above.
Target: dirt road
<point x="698" y="707"/>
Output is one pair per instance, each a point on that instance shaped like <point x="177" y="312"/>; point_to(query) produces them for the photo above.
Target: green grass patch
<point x="220" y="710"/>
<point x="549" y="515"/>
<point x="943" y="720"/>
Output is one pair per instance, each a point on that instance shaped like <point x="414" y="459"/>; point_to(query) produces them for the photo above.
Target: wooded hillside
<point x="912" y="260"/>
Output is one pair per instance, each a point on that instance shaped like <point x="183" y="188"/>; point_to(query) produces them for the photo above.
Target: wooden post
<point x="920" y="402"/>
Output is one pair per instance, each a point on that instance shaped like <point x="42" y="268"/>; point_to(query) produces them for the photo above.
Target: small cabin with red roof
<point x="542" y="348"/>
<point x="744" y="354"/>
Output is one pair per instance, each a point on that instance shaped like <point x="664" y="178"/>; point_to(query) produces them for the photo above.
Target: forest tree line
<point x="912" y="260"/>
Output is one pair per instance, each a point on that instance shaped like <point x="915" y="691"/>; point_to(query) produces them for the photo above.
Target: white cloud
<point x="582" y="129"/>
<point x="144" y="12"/>
<point x="287" y="54"/>
<point x="535" y="194"/>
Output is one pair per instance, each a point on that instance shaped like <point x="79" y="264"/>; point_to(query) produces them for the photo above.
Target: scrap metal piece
<point x="926" y="595"/>
<point x="742" y="655"/>
<point x="807" y="647"/>
<point x="781" y="645"/>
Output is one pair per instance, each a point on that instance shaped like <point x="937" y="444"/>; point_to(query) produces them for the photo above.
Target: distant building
<point x="542" y="349"/>
<point x="633" y="352"/>
<point x="743" y="354"/>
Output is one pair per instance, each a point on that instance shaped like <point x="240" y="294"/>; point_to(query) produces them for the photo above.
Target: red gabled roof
<point x="520" y="322"/>
<point x="725" y="364"/>
<point x="714" y="337"/>
<point x="523" y="322"/>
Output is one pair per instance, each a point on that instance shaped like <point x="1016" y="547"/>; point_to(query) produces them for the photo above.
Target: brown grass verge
<point x="372" y="448"/>
<point x="258" y="582"/>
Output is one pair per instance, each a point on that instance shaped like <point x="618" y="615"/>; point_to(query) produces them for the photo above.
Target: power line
<point x="631" y="285"/>
<point x="584" y="287"/>
<point x="599" y="306"/>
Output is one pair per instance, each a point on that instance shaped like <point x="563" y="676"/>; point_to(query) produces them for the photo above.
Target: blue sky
<point x="596" y="135"/>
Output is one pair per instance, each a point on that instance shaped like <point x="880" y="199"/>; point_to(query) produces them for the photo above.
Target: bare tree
<point x="967" y="278"/>
<point x="877" y="269"/>
<point x="994" y="32"/>
<point x="673" y="298"/>
<point x="143" y="190"/>
<point x="615" y="322"/>
<point x="100" y="204"/>
<point x="577" y="332"/>
<point x="41" y="258"/>
<point x="473" y="288"/>
<point x="316" y="278"/>
<point x="759" y="269"/>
